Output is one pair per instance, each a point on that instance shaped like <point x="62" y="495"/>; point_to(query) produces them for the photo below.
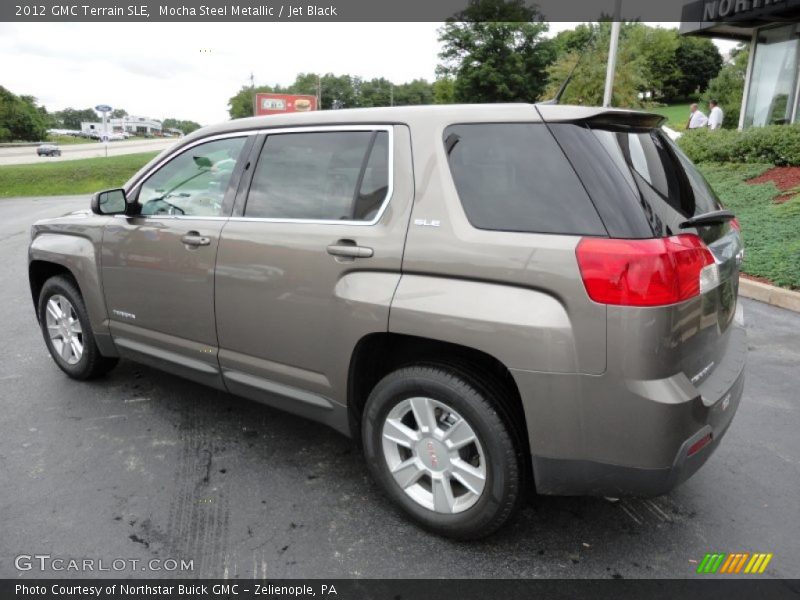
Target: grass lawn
<point x="70" y="176"/>
<point x="68" y="140"/>
<point x="771" y="231"/>
<point x="677" y="115"/>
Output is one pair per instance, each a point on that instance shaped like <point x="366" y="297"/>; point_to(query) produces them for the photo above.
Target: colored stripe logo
<point x="734" y="563"/>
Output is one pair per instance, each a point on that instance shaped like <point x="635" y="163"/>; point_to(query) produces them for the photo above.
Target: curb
<point x="769" y="294"/>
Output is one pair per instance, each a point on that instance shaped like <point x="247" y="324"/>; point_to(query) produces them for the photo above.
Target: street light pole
<point x="612" y="54"/>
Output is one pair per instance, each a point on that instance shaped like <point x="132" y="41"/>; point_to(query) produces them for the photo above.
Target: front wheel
<point x="436" y="443"/>
<point x="67" y="332"/>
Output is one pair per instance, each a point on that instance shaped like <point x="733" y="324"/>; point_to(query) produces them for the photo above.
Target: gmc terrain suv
<point x="490" y="298"/>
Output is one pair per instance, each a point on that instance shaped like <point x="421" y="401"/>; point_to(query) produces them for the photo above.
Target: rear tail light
<point x="650" y="272"/>
<point x="735" y="224"/>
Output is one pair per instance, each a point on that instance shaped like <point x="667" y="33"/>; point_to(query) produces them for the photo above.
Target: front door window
<point x="194" y="183"/>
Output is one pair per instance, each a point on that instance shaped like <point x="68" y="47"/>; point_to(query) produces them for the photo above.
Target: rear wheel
<point x="435" y="442"/>
<point x="67" y="333"/>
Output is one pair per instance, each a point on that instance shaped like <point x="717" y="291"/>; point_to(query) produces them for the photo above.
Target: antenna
<point x="557" y="98"/>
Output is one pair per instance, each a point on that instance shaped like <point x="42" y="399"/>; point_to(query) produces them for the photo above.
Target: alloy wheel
<point x="64" y="329"/>
<point x="434" y="455"/>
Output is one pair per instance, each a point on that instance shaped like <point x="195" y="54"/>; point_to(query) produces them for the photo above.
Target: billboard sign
<point x="276" y="104"/>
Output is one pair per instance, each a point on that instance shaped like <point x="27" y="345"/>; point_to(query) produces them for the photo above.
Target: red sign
<point x="275" y="104"/>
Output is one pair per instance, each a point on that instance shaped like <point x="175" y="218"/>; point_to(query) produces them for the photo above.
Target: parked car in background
<point x="492" y="298"/>
<point x="48" y="150"/>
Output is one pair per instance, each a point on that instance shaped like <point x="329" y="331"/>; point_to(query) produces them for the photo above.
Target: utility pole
<point x="253" y="92"/>
<point x="391" y="94"/>
<point x="319" y="92"/>
<point x="612" y="54"/>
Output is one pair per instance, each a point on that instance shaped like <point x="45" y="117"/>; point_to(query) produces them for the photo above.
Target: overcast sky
<point x="190" y="70"/>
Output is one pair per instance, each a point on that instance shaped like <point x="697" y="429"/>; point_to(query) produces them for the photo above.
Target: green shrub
<point x="774" y="144"/>
<point x="772" y="246"/>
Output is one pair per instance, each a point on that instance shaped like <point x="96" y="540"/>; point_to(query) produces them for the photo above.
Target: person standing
<point x="696" y="118"/>
<point x="716" y="115"/>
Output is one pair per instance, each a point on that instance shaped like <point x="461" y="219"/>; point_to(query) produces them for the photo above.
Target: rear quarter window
<point x="640" y="181"/>
<point x="514" y="177"/>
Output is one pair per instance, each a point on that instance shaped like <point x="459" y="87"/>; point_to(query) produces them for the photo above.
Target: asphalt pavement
<point x="17" y="155"/>
<point x="144" y="465"/>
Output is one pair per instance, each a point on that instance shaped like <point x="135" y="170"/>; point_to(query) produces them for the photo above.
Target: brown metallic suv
<point x="490" y="298"/>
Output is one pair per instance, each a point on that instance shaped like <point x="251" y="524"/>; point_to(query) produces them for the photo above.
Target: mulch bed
<point x="784" y="178"/>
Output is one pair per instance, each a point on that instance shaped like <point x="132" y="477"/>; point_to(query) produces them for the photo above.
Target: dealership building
<point x="772" y="83"/>
<point x="131" y="124"/>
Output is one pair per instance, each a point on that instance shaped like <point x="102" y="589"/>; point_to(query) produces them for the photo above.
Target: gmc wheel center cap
<point x="433" y="454"/>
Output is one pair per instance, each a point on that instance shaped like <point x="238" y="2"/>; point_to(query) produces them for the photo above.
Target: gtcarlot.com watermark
<point x="47" y="562"/>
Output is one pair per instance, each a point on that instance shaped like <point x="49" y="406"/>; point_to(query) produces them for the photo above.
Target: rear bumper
<point x="570" y="477"/>
<point x="610" y="437"/>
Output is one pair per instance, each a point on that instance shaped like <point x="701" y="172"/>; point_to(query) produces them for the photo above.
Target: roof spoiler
<point x="600" y="117"/>
<point x="637" y="120"/>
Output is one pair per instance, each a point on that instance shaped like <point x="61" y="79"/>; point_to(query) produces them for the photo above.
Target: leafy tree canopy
<point x="185" y="126"/>
<point x="21" y="118"/>
<point x="496" y="52"/>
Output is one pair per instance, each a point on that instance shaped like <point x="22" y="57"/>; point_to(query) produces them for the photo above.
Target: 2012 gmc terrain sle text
<point x="491" y="299"/>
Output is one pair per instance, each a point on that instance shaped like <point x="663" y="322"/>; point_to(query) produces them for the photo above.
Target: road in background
<point x="27" y="154"/>
<point x="145" y="465"/>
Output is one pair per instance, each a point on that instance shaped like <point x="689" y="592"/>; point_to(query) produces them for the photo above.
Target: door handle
<point x="193" y="238"/>
<point x="349" y="249"/>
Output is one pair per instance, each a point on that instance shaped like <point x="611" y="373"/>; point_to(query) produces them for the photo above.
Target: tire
<point x="422" y="461"/>
<point x="65" y="297"/>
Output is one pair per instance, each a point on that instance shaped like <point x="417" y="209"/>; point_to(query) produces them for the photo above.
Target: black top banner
<point x="388" y="10"/>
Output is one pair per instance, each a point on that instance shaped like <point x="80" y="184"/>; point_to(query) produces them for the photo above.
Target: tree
<point x="496" y="52"/>
<point x="337" y="91"/>
<point x="727" y="88"/>
<point x="185" y="126"/>
<point x="574" y="40"/>
<point x="588" y="81"/>
<point x="119" y="113"/>
<point x="70" y="118"/>
<point x="376" y="92"/>
<point x="21" y="118"/>
<point x="698" y="61"/>
<point x="240" y="105"/>
<point x="414" y="92"/>
<point x="655" y="50"/>
<point x="444" y="91"/>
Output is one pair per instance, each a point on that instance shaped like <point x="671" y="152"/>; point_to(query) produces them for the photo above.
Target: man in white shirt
<point x="696" y="119"/>
<point x="715" y="116"/>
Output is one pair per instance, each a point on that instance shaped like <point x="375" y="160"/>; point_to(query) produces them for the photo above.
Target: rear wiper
<point x="714" y="217"/>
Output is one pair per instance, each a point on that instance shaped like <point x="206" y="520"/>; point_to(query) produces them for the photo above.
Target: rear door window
<point x="330" y="176"/>
<point x="514" y="177"/>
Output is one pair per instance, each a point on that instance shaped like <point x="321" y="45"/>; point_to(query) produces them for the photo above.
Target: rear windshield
<point x="514" y="177"/>
<point x="640" y="181"/>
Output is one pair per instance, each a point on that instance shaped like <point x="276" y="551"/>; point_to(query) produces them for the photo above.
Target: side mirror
<point x="109" y="202"/>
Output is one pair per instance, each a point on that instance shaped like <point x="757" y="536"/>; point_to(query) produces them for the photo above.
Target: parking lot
<point x="144" y="465"/>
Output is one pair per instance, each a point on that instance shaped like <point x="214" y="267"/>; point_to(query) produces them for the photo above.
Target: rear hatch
<point x="645" y="188"/>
